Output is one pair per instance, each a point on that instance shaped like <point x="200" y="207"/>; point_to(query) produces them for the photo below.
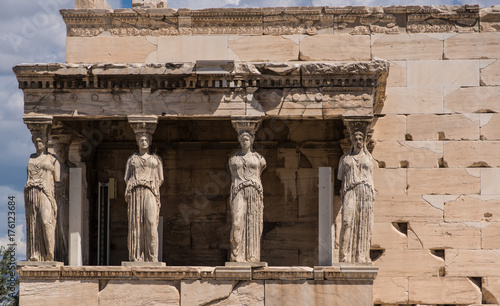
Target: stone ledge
<point x="339" y="272"/>
<point x="282" y="89"/>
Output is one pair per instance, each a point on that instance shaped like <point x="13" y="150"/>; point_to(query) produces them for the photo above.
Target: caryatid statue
<point x="356" y="174"/>
<point x="143" y="176"/>
<point x="247" y="198"/>
<point x="39" y="196"/>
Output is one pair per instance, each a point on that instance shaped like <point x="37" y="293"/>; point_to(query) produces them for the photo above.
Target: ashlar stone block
<point x="59" y="292"/>
<point x="491" y="290"/>
<point x="409" y="208"/>
<point x="410" y="154"/>
<point x="200" y="292"/>
<point x="139" y="292"/>
<point x="408" y="263"/>
<point x="403" y="100"/>
<point x="325" y="47"/>
<point x="443" y="127"/>
<point x="262" y="48"/>
<point x="191" y="48"/>
<point x="386" y="236"/>
<point x="489" y="181"/>
<point x="473" y="263"/>
<point x="490" y="72"/>
<point x="443" y="236"/>
<point x="483" y="99"/>
<point x="309" y="292"/>
<point x="490" y="239"/>
<point x="473" y="209"/>
<point x="390" y="290"/>
<point x="389" y="127"/>
<point x="490" y="126"/>
<point x="397" y="74"/>
<point x="443" y="290"/>
<point x="389" y="181"/>
<point x="437" y="73"/>
<point x="407" y="46"/>
<point x="444" y="181"/>
<point x="109" y="49"/>
<point x="472" y="154"/>
<point x="472" y="46"/>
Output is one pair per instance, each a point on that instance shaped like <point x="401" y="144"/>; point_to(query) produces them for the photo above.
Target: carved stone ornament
<point x="143" y="176"/>
<point x="39" y="193"/>
<point x="143" y="124"/>
<point x="358" y="193"/>
<point x="249" y="124"/>
<point x="150" y="3"/>
<point x="247" y="197"/>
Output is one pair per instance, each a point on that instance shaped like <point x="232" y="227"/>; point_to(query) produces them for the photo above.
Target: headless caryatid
<point x="356" y="174"/>
<point x="143" y="176"/>
<point x="39" y="196"/>
<point x="247" y="200"/>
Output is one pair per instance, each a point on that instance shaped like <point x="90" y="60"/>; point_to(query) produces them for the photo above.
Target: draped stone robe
<point x="144" y="176"/>
<point x="247" y="206"/>
<point x="356" y="173"/>
<point x="41" y="207"/>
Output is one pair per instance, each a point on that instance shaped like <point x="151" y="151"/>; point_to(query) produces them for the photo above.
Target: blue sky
<point x="33" y="32"/>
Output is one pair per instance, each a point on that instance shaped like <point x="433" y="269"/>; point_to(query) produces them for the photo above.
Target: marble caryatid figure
<point x="39" y="196"/>
<point x="143" y="176"/>
<point x="356" y="174"/>
<point x="247" y="200"/>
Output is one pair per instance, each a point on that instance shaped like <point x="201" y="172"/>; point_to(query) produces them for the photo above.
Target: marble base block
<point x="142" y="264"/>
<point x="233" y="273"/>
<point x="40" y="264"/>
<point x="246" y="264"/>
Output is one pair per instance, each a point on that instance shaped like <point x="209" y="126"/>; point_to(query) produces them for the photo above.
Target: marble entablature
<point x="191" y="89"/>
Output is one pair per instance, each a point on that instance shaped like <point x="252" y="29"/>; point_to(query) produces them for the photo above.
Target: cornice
<point x="279" y="20"/>
<point x="217" y="88"/>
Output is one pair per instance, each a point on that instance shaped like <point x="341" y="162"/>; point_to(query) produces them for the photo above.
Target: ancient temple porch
<point x="303" y="108"/>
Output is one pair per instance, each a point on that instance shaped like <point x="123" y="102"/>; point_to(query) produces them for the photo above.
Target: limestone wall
<point x="437" y="210"/>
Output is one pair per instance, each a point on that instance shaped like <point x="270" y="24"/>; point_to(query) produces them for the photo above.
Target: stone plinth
<point x="142" y="264"/>
<point x="40" y="264"/>
<point x="183" y="285"/>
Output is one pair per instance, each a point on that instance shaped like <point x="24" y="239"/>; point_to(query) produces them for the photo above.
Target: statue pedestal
<point x="142" y="264"/>
<point x="195" y="285"/>
<point x="40" y="263"/>
<point x="246" y="264"/>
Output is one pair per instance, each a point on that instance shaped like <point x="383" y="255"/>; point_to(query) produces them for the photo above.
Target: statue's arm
<point x="340" y="175"/>
<point x="127" y="174"/>
<point x="160" y="169"/>
<point x="263" y="163"/>
<point x="57" y="170"/>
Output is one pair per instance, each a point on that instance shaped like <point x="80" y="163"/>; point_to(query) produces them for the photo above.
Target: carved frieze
<point x="361" y="20"/>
